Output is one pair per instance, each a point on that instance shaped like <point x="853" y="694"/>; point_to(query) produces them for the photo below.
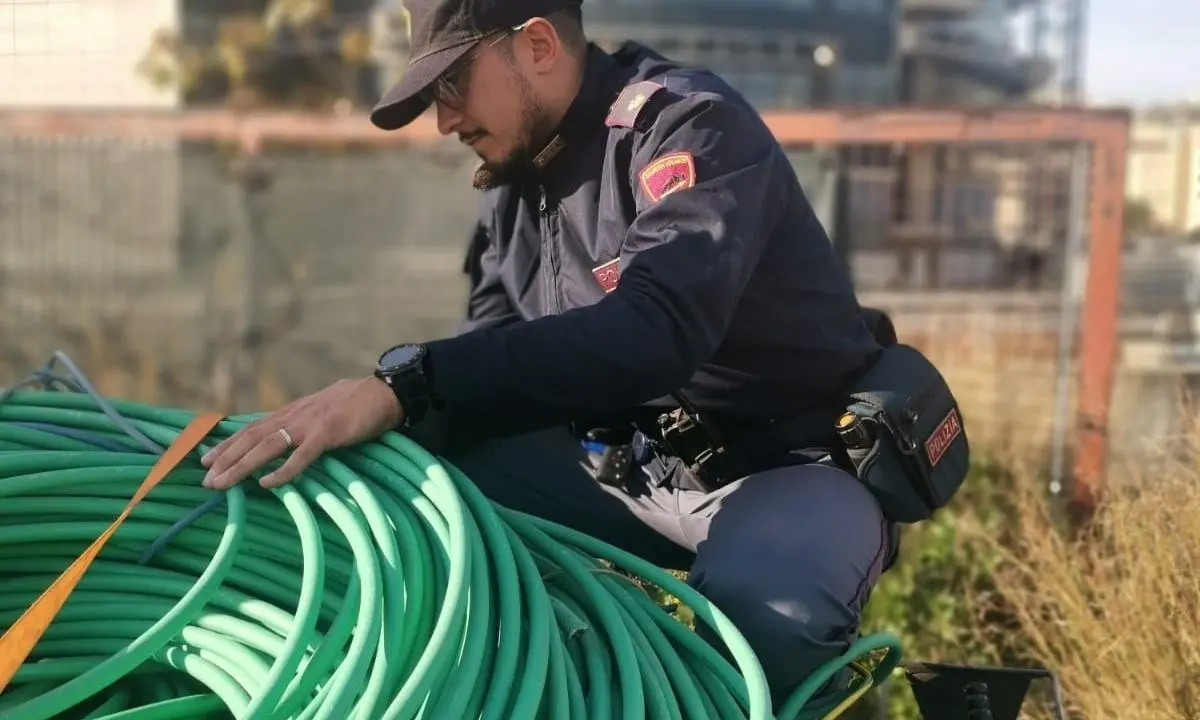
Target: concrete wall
<point x="81" y="53"/>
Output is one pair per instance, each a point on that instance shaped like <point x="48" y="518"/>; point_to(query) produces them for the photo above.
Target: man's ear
<point x="545" y="46"/>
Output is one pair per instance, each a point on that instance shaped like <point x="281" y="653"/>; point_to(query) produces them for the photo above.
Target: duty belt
<point x="717" y="451"/>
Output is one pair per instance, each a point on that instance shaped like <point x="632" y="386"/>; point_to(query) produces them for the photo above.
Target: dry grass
<point x="1112" y="608"/>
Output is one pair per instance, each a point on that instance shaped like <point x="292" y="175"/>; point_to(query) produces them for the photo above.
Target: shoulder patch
<point x="668" y="174"/>
<point x="629" y="104"/>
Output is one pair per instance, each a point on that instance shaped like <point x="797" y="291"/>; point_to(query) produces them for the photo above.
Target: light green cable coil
<point x="380" y="585"/>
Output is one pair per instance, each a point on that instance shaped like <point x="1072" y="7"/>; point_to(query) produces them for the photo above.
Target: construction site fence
<point x="236" y="261"/>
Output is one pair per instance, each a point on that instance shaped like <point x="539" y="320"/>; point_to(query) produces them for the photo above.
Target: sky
<point x="1142" y="51"/>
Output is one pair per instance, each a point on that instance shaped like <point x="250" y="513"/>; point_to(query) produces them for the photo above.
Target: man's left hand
<point x="345" y="413"/>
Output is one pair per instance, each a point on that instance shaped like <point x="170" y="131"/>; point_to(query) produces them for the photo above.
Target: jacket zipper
<point x="550" y="258"/>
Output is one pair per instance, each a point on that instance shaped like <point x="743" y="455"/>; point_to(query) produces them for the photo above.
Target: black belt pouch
<point x="918" y="456"/>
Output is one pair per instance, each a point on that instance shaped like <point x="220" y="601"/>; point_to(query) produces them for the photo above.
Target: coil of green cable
<point x="380" y="585"/>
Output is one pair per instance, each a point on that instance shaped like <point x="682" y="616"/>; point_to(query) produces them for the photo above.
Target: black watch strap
<point x="405" y="370"/>
<point x="415" y="408"/>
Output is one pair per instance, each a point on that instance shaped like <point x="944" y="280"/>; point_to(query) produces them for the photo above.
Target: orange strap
<point x="20" y="639"/>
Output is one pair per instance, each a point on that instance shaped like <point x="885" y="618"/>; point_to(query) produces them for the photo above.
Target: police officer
<point x="643" y="246"/>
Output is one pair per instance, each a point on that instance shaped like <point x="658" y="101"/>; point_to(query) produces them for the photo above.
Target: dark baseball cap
<point x="442" y="32"/>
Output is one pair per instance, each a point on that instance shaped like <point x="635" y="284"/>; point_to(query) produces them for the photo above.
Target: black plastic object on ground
<point x="957" y="692"/>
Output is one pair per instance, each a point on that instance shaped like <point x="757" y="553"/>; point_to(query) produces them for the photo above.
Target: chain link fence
<point x="306" y="257"/>
<point x="1159" y="359"/>
<point x="234" y="281"/>
<point x="236" y="262"/>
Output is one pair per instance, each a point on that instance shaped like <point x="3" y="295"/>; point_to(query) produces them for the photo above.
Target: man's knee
<point x="792" y="563"/>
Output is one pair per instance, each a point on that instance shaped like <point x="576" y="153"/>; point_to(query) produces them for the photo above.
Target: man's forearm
<point x="592" y="361"/>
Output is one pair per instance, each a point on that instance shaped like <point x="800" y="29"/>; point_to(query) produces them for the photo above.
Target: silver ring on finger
<point x="287" y="438"/>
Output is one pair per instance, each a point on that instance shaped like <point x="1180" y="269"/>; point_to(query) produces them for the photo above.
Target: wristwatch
<point x="403" y="368"/>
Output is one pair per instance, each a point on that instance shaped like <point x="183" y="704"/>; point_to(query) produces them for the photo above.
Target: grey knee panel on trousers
<point x="790" y="554"/>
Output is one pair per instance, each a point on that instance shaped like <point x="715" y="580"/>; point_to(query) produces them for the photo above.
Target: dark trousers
<point x="790" y="554"/>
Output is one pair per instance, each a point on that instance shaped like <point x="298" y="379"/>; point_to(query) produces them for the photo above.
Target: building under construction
<point x="905" y="218"/>
<point x="809" y="53"/>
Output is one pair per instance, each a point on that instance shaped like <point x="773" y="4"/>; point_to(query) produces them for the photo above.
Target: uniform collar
<point x="586" y="113"/>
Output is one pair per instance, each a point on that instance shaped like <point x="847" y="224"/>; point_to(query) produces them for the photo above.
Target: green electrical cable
<point x="380" y="585"/>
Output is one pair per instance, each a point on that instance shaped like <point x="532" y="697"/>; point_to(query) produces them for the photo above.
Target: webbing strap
<point x="19" y="640"/>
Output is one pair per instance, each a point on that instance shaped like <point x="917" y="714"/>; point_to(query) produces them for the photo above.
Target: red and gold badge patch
<point x="608" y="274"/>
<point x="668" y="174"/>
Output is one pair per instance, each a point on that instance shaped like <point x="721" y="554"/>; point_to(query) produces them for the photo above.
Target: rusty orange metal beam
<point x="916" y="125"/>
<point x="1101" y="307"/>
<point x="209" y="125"/>
<point x="885" y="125"/>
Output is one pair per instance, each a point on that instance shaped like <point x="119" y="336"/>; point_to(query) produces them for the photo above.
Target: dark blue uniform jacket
<point x="605" y="282"/>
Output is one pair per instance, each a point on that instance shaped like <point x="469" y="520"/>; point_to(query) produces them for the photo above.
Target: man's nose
<point x="447" y="119"/>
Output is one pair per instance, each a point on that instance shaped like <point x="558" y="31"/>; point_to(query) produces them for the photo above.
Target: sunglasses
<point x="448" y="88"/>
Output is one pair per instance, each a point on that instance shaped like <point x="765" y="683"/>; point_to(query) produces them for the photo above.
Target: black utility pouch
<point x="914" y="454"/>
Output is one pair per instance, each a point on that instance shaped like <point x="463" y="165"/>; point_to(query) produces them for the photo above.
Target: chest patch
<point x="608" y="274"/>
<point x="668" y="174"/>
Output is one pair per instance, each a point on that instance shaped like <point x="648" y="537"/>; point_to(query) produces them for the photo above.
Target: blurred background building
<point x="893" y="211"/>
<point x="1163" y="179"/>
<point x="813" y="53"/>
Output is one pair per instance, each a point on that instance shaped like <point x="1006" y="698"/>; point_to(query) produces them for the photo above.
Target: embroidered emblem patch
<point x="608" y="274"/>
<point x="668" y="174"/>
<point x="947" y="431"/>
<point x="629" y="104"/>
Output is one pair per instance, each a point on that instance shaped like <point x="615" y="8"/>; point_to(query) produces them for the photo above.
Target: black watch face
<point x="399" y="357"/>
